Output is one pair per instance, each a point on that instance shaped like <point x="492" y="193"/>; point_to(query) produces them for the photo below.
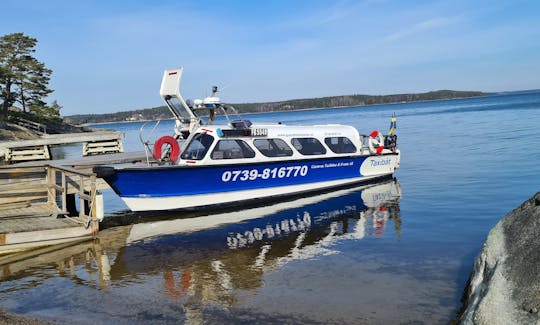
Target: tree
<point x="33" y="84"/>
<point x="49" y="112"/>
<point x="23" y="79"/>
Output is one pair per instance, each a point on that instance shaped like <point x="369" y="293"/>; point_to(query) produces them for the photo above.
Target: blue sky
<point x="108" y="56"/>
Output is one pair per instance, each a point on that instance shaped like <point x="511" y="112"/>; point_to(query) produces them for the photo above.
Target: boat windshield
<point x="178" y="109"/>
<point x="198" y="147"/>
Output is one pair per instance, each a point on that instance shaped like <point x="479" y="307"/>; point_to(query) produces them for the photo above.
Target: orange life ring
<point x="376" y="139"/>
<point x="166" y="139"/>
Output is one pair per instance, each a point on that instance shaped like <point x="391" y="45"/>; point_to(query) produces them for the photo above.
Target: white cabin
<point x="219" y="144"/>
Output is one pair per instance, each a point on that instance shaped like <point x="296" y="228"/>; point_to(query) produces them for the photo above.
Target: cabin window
<point x="273" y="147"/>
<point x="197" y="147"/>
<point x="308" y="146"/>
<point x="340" y="145"/>
<point x="232" y="149"/>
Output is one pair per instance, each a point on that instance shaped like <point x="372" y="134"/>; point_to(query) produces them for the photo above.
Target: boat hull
<point x="185" y="187"/>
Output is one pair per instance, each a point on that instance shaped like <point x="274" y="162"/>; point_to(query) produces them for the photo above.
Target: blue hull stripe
<point x="179" y="181"/>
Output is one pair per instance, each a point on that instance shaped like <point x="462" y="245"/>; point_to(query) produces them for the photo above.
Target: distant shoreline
<point x="161" y="112"/>
<point x="301" y="109"/>
<point x="122" y="122"/>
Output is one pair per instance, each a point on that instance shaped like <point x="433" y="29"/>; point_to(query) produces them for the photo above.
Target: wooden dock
<point x="37" y="206"/>
<point x="99" y="142"/>
<point x="51" y="202"/>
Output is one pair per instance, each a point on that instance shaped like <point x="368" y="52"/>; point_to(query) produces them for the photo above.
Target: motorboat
<point x="205" y="163"/>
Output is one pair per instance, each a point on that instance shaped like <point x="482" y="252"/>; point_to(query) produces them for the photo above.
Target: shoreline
<point x="309" y="109"/>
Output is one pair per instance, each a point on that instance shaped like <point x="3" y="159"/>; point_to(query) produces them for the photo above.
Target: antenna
<point x="217" y="89"/>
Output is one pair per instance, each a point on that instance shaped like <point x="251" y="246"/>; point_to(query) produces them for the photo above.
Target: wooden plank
<point x="23" y="261"/>
<point x="26" y="198"/>
<point x="31" y="224"/>
<point x="11" y="170"/>
<point x="22" y="187"/>
<point x="102" y="147"/>
<point x="2" y="239"/>
<point x="27" y="153"/>
<point x="25" y="191"/>
<point x="37" y="209"/>
<point x="13" y="248"/>
<point x="46" y="235"/>
<point x="103" y="143"/>
<point x="115" y="158"/>
<point x="70" y="170"/>
<point x="22" y="180"/>
<point x="66" y="138"/>
<point x="100" y="150"/>
<point x="14" y="205"/>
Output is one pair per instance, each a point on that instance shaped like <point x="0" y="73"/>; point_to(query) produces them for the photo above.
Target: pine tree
<point x="46" y="111"/>
<point x="33" y="84"/>
<point x="23" y="79"/>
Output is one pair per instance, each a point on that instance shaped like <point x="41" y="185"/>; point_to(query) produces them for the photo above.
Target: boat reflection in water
<point x="209" y="258"/>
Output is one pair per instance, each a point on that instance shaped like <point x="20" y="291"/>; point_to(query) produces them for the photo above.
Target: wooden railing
<point x="63" y="181"/>
<point x="50" y="190"/>
<point x="19" y="184"/>
<point x="37" y="128"/>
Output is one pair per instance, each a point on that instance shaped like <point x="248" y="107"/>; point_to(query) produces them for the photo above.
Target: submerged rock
<point x="504" y="287"/>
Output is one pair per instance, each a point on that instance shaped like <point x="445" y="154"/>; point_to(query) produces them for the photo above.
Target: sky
<point x="109" y="56"/>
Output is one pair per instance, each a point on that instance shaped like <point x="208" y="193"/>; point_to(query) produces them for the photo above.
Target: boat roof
<point x="292" y="131"/>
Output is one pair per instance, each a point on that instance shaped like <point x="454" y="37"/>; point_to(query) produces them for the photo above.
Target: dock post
<point x="82" y="206"/>
<point x="64" y="193"/>
<point x="93" y="207"/>
<point x="51" y="188"/>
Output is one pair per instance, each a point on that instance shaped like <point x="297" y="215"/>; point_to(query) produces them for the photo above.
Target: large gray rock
<point x="504" y="287"/>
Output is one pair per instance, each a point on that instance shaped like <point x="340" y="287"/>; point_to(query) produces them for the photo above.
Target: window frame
<point x="200" y="156"/>
<point x="342" y="138"/>
<point x="288" y="152"/>
<point x="244" y="147"/>
<point x="316" y="143"/>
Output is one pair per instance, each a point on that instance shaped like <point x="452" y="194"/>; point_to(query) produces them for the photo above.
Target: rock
<point x="504" y="287"/>
<point x="9" y="131"/>
<point x="58" y="126"/>
<point x="14" y="132"/>
<point x="11" y="319"/>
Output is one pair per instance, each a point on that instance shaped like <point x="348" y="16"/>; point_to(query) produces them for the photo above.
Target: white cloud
<point x="422" y="26"/>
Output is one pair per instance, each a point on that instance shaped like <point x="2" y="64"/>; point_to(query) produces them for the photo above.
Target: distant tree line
<point x="353" y="100"/>
<point x="156" y="113"/>
<point x="24" y="80"/>
<point x="296" y="104"/>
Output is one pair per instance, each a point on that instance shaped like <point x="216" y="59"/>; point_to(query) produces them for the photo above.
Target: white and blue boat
<point x="207" y="165"/>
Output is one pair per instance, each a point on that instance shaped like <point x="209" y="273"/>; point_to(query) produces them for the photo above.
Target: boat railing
<point x="238" y="119"/>
<point x="146" y="141"/>
<point x="390" y="141"/>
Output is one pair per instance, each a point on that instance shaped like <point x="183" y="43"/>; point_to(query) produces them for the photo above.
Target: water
<point x="465" y="164"/>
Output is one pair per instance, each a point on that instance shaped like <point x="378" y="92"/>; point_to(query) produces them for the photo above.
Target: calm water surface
<point x="395" y="252"/>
